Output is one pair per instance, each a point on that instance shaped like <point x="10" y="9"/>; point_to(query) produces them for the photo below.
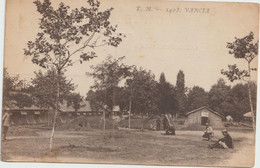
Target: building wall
<point x="31" y="117"/>
<point x="28" y="117"/>
<point x="195" y="118"/>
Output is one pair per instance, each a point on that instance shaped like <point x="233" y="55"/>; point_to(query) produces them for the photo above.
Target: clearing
<point x="30" y="143"/>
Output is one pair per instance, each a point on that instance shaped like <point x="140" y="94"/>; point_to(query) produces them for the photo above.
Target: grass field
<point x="126" y="147"/>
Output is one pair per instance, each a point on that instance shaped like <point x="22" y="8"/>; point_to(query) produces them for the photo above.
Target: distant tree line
<point x="149" y="96"/>
<point x="40" y="92"/>
<point x="142" y="94"/>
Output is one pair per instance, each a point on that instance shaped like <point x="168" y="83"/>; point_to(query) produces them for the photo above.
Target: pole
<point x="130" y="108"/>
<point x="250" y="96"/>
<point x="104" y="126"/>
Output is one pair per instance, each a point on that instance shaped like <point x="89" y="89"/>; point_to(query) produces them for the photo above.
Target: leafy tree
<point x="219" y="97"/>
<point x="243" y="48"/>
<point x="9" y="83"/>
<point x="22" y="100"/>
<point x="196" y="98"/>
<point x="44" y="88"/>
<point x="181" y="90"/>
<point x="240" y="101"/>
<point x="68" y="36"/>
<point x="12" y="95"/>
<point x="107" y="76"/>
<point x="166" y="96"/>
<point x="74" y="100"/>
<point x="122" y="95"/>
<point x="144" y="95"/>
<point x="98" y="99"/>
<point x="93" y="97"/>
<point x="121" y="98"/>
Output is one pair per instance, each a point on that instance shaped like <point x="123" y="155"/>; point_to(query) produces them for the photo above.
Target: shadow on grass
<point x="86" y="148"/>
<point x="239" y="139"/>
<point x="8" y="140"/>
<point x="5" y="157"/>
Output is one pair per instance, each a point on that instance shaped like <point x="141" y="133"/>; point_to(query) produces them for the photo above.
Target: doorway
<point x="204" y="120"/>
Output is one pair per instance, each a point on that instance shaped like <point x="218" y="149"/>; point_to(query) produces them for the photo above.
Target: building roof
<point x="84" y="106"/>
<point x="204" y="107"/>
<point x="13" y="107"/>
<point x="248" y="114"/>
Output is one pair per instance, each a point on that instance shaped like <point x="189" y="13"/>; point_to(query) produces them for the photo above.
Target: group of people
<point x="225" y="143"/>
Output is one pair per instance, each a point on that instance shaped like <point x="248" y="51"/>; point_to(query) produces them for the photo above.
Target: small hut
<point x="248" y="116"/>
<point x="204" y="115"/>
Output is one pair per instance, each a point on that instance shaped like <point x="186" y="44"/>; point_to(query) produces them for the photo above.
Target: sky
<point x="160" y="40"/>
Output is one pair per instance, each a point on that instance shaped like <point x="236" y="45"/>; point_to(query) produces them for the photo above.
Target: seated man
<point x="169" y="125"/>
<point x="208" y="133"/>
<point x="225" y="143"/>
<point x="170" y="130"/>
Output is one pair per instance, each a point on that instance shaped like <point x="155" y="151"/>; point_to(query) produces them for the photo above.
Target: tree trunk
<point x="142" y="122"/>
<point x="113" y="125"/>
<point x="56" y="111"/>
<point x="250" y="97"/>
<point x="48" y="116"/>
<point x="130" y="106"/>
<point x="104" y="126"/>
<point x="112" y="112"/>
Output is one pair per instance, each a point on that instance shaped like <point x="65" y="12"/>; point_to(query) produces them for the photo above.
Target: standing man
<point x="164" y="123"/>
<point x="158" y="125"/>
<point x="6" y="123"/>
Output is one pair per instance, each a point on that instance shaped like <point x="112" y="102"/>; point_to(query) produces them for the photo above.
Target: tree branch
<point x="85" y="44"/>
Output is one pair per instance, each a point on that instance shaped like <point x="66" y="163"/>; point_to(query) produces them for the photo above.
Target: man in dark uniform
<point x="164" y="123"/>
<point x="225" y="143"/>
<point x="158" y="125"/>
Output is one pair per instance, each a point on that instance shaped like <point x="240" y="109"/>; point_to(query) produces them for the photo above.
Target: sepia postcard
<point x="130" y="82"/>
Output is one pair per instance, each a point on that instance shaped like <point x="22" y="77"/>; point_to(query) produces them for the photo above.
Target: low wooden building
<point x="248" y="116"/>
<point x="204" y="115"/>
<point x="27" y="115"/>
<point x="35" y="115"/>
<point x="68" y="112"/>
